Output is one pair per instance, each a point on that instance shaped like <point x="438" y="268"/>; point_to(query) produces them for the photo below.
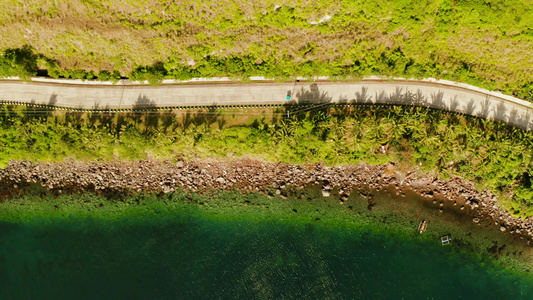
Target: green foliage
<point x="19" y="62"/>
<point x="153" y="74"/>
<point x="526" y="92"/>
<point x="109" y="76"/>
<point x="391" y="62"/>
<point x="485" y="43"/>
<point x="493" y="155"/>
<point x="55" y="71"/>
<point x="53" y="68"/>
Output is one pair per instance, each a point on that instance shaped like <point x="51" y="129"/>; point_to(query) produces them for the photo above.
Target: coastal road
<point x="431" y="93"/>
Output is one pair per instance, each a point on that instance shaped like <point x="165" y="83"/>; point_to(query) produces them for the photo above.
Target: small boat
<point x="445" y="240"/>
<point x="422" y="227"/>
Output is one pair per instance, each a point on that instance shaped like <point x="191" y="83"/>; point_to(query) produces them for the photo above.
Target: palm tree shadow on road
<point x="308" y="103"/>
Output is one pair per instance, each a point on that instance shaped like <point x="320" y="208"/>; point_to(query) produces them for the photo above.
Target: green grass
<point x="483" y="42"/>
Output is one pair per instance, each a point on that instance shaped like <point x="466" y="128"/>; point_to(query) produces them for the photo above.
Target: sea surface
<point x="195" y="257"/>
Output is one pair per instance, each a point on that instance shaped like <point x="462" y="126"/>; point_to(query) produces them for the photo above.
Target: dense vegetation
<point x="492" y="154"/>
<point x="483" y="42"/>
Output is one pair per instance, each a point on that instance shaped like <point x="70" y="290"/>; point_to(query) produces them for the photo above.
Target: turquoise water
<point x="192" y="257"/>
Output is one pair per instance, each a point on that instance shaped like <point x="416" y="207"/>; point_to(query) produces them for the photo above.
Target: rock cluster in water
<point x="253" y="175"/>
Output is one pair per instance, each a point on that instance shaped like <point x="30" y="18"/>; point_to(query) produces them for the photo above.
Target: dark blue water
<point x="199" y="258"/>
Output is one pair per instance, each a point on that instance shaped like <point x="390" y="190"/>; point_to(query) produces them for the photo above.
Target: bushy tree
<point x="19" y="62"/>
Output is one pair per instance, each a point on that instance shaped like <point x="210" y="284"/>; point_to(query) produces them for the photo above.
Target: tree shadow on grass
<point x="145" y="115"/>
<point x="168" y="120"/>
<point x="102" y="116"/>
<point x="32" y="110"/>
<point x="205" y="116"/>
<point x="75" y="118"/>
<point x="7" y="112"/>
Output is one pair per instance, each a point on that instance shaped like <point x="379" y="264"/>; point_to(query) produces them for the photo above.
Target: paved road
<point x="442" y="95"/>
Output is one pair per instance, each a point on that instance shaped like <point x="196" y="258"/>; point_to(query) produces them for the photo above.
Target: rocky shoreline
<point x="249" y="175"/>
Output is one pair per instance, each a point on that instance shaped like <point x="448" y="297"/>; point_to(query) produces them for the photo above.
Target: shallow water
<point x="194" y="257"/>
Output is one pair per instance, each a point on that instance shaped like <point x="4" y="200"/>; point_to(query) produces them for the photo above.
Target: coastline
<point x="248" y="175"/>
<point x="98" y="198"/>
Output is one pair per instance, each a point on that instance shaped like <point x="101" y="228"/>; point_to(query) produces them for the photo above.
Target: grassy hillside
<point x="483" y="42"/>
